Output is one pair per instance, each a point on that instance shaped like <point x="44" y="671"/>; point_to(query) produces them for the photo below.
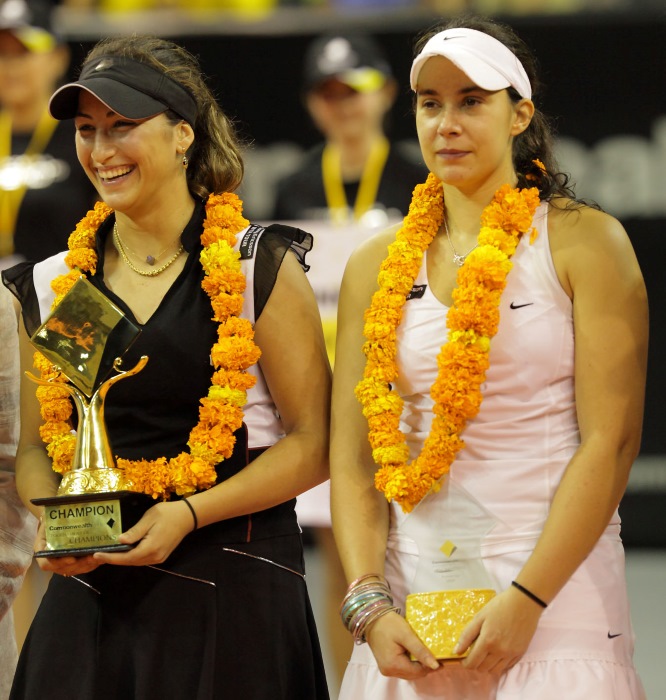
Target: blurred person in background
<point x="42" y="189"/>
<point x="354" y="178"/>
<point x="355" y="174"/>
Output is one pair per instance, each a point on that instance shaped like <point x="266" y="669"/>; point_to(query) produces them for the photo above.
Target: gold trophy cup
<point x="85" y="337"/>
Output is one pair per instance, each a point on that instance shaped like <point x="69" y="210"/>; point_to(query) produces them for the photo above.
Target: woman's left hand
<point x="501" y="632"/>
<point x="157" y="534"/>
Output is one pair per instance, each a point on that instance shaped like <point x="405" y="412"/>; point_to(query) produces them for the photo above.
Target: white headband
<point x="486" y="61"/>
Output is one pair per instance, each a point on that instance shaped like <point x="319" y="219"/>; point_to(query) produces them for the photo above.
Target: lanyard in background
<point x="10" y="199"/>
<point x="336" y="199"/>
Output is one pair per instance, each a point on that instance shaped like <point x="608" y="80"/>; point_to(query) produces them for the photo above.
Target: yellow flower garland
<point x="472" y="321"/>
<point x="221" y="411"/>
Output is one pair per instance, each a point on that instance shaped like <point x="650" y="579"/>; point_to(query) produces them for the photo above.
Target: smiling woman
<point x="222" y="427"/>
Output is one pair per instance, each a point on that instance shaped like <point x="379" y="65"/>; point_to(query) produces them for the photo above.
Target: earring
<point x="186" y="162"/>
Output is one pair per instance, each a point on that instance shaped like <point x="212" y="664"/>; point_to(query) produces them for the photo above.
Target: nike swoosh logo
<point x="513" y="305"/>
<point x="612" y="636"/>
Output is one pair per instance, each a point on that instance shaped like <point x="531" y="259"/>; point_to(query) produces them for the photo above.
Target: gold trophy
<point x="85" y="337"/>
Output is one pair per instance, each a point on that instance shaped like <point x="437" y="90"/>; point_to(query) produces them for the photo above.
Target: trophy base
<point x="82" y="551"/>
<point x="82" y="524"/>
<point x="439" y="617"/>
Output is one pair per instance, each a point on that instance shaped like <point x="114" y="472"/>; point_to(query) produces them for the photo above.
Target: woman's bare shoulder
<point x="360" y="278"/>
<point x="589" y="243"/>
<point x="369" y="254"/>
<point x="570" y="223"/>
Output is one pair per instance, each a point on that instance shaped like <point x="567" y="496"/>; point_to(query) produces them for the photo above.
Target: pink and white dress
<point x="516" y="451"/>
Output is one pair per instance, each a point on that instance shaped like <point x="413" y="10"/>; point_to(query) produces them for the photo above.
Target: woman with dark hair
<point x="497" y="354"/>
<point x="224" y="426"/>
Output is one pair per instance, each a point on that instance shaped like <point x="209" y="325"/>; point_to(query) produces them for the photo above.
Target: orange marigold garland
<point x="472" y="321"/>
<point x="221" y="411"/>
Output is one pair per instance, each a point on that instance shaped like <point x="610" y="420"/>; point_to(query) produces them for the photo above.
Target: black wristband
<point x="194" y="515"/>
<point x="529" y="594"/>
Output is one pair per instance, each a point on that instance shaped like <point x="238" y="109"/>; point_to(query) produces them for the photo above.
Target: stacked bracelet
<point x="529" y="594"/>
<point x="368" y="598"/>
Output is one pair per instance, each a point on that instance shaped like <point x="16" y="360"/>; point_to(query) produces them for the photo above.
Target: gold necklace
<point x="152" y="259"/>
<point x="146" y="273"/>
<point x="459" y="260"/>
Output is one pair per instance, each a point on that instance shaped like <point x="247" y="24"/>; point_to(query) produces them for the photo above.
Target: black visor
<point x="130" y="88"/>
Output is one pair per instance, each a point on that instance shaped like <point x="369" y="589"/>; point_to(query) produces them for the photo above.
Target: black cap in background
<point x="30" y="22"/>
<point x="356" y="60"/>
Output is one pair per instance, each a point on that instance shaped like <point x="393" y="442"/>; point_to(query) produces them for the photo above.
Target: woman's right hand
<point x="392" y="642"/>
<point x="63" y="566"/>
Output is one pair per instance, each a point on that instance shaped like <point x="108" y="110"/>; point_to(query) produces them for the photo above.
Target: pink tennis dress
<point x="516" y="451"/>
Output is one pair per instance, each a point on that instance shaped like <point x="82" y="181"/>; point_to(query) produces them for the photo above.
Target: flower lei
<point x="472" y="320"/>
<point x="221" y="411"/>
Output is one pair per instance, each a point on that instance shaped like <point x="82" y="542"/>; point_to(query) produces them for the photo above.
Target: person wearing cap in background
<point x="355" y="178"/>
<point x="480" y="449"/>
<point x="42" y="187"/>
<point x="356" y="174"/>
<point x="224" y="426"/>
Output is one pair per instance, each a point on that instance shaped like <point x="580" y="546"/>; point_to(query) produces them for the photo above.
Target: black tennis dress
<point x="227" y="616"/>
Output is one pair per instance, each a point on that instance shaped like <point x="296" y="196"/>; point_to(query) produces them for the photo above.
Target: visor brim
<point x="122" y="99"/>
<point x="478" y="71"/>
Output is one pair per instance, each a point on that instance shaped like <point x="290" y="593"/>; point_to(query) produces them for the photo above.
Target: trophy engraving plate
<point x="89" y="524"/>
<point x="76" y="525"/>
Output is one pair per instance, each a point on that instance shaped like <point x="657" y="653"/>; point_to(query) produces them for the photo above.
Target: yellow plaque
<point x="439" y="617"/>
<point x="81" y="525"/>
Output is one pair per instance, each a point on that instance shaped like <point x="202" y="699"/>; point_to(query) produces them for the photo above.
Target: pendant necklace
<point x="150" y="259"/>
<point x="146" y="273"/>
<point x="459" y="260"/>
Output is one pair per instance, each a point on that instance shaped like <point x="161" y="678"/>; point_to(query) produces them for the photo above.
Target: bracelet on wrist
<point x="194" y="514"/>
<point x="361" y="579"/>
<point x="529" y="594"/>
<point x="367" y="599"/>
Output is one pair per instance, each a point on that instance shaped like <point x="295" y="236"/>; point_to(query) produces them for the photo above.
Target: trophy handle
<point x="93" y="450"/>
<point x="122" y="374"/>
